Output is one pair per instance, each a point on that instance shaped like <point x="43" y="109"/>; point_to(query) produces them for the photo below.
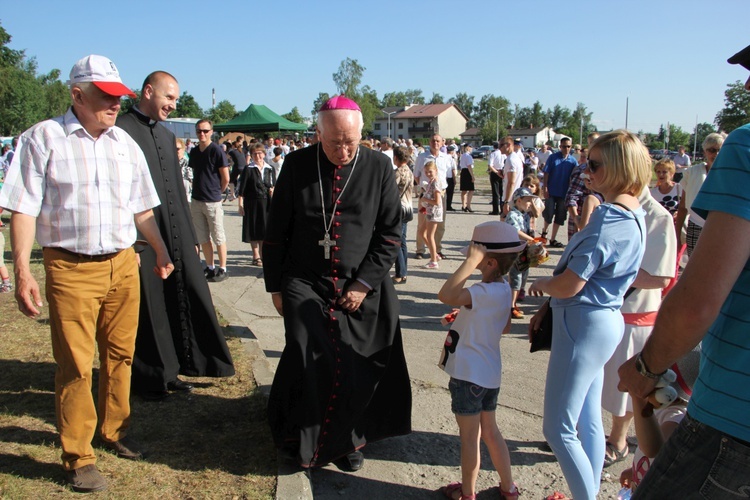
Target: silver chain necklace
<point x="327" y="242"/>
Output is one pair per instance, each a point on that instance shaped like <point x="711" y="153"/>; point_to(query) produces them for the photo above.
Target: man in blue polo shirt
<point x="709" y="453"/>
<point x="556" y="180"/>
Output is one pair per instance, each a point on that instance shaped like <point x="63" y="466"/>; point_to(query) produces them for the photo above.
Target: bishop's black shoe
<point x="179" y="385"/>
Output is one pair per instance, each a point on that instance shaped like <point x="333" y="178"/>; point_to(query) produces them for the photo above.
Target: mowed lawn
<point x="212" y="443"/>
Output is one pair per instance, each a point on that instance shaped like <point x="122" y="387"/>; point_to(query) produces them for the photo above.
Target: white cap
<point x="101" y="72"/>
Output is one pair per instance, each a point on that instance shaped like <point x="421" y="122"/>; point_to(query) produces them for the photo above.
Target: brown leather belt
<point x="83" y="256"/>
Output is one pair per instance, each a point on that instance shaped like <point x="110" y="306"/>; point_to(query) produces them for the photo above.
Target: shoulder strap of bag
<point x="631" y="289"/>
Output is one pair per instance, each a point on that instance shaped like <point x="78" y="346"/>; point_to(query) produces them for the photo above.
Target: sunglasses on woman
<point x="592" y="165"/>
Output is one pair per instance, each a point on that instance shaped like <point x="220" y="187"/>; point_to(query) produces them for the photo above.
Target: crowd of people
<point x="326" y="218"/>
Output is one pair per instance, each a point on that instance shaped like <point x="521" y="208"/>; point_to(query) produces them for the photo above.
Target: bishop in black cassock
<point x="342" y="379"/>
<point x="178" y="331"/>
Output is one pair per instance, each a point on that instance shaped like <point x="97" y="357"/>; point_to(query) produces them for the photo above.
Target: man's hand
<point x="277" y="303"/>
<point x="28" y="296"/>
<point x="633" y="382"/>
<point x="164" y="266"/>
<point x="353" y="296"/>
<point x="506" y="208"/>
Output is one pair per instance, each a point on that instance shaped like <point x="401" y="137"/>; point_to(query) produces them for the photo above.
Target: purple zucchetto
<point x="339" y="102"/>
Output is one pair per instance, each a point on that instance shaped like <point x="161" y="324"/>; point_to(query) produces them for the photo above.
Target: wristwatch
<point x="640" y="365"/>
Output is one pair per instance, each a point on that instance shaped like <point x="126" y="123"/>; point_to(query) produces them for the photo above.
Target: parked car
<point x="481" y="152"/>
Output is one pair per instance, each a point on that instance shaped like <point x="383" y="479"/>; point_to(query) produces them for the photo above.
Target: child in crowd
<point x="5" y="286"/>
<point x="432" y="208"/>
<point x="471" y="354"/>
<point x="531" y="182"/>
<point x="654" y="429"/>
<point x="667" y="191"/>
<point x="519" y="217"/>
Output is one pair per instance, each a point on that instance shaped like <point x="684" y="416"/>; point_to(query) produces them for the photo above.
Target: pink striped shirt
<point x="83" y="191"/>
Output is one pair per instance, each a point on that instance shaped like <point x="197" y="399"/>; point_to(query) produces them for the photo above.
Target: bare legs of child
<point x="471" y="429"/>
<point x="429" y="237"/>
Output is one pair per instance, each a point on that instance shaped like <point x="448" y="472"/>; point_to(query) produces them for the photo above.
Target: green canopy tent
<point x="258" y="118"/>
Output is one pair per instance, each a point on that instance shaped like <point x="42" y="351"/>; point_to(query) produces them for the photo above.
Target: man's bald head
<point x="159" y="95"/>
<point x="339" y="132"/>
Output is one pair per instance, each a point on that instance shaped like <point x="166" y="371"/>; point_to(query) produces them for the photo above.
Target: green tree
<point x="572" y="126"/>
<point x="317" y="103"/>
<point x="126" y="102"/>
<point x="187" y="107"/>
<point x="56" y="94"/>
<point x="411" y="96"/>
<point x="394" y="99"/>
<point x="21" y="98"/>
<point x="222" y="112"/>
<point x="486" y="118"/>
<point x="349" y="77"/>
<point x="465" y="103"/>
<point x="437" y="98"/>
<point x="703" y="129"/>
<point x="26" y="98"/>
<point x="8" y="56"/>
<point x="558" y="117"/>
<point x="369" y="103"/>
<point x="294" y="116"/>
<point x="736" y="110"/>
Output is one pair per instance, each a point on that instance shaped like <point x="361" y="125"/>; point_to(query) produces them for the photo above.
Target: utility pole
<point x="497" y="124"/>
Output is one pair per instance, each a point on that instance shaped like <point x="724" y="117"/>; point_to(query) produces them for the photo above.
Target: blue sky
<point x="668" y="57"/>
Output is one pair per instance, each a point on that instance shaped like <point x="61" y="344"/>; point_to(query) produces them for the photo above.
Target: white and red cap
<point x="102" y="72"/>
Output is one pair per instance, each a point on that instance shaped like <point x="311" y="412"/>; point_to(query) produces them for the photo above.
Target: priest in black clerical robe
<point x="342" y="380"/>
<point x="178" y="332"/>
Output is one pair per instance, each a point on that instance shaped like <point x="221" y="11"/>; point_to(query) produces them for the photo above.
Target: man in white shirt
<point x="543" y="155"/>
<point x="512" y="172"/>
<point x="681" y="163"/>
<point x="495" y="169"/>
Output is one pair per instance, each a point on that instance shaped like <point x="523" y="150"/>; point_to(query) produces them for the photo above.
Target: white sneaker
<point x="432" y="265"/>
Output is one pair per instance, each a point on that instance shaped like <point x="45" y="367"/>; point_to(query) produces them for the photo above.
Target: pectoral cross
<point x="327" y="243"/>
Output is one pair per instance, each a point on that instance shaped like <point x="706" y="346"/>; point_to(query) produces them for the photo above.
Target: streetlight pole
<point x="389" y="120"/>
<point x="497" y="124"/>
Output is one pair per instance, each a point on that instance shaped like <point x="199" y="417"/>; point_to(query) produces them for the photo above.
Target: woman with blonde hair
<point x="587" y="288"/>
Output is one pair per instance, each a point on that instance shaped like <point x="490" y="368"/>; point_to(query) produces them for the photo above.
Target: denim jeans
<point x="401" y="257"/>
<point x="698" y="461"/>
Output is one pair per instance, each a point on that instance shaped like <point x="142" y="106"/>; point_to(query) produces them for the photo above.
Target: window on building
<point x="400" y="125"/>
<point x="377" y="126"/>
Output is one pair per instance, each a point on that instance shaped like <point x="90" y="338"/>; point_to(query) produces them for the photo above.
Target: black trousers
<point x="496" y="186"/>
<point x="449" y="192"/>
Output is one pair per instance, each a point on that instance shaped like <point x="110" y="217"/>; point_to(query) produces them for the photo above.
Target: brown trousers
<point x="91" y="303"/>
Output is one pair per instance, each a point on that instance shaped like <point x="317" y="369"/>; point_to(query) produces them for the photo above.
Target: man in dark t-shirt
<point x="210" y="179"/>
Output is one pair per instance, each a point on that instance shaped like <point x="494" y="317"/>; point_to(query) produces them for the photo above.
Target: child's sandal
<point x="452" y="488"/>
<point x="509" y="495"/>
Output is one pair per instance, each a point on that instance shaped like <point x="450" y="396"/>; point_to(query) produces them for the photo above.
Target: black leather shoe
<point x="179" y="385"/>
<point x="125" y="448"/>
<point x="351" y="462"/>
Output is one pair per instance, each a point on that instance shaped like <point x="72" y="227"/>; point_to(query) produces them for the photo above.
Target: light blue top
<point x="519" y="220"/>
<point x="607" y="254"/>
<point x="721" y="396"/>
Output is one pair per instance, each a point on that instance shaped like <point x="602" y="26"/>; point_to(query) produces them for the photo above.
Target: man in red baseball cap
<point x="82" y="188"/>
